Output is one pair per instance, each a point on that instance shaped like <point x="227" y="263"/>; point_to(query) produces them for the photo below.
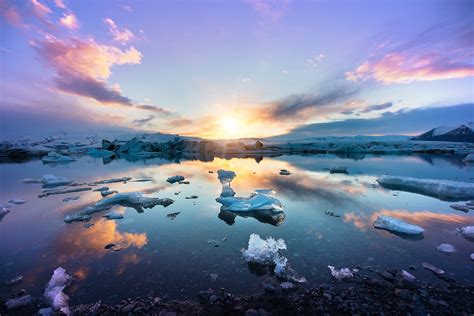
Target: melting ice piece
<point x="107" y="193"/>
<point x="259" y="200"/>
<point x="408" y="276"/>
<point x="469" y="158"/>
<point x="173" y="179"/>
<point x="472" y="256"/>
<point x="3" y="211"/>
<point x="17" y="201"/>
<point x="460" y="207"/>
<point x="442" y="189"/>
<point x="50" y="181"/>
<point x="54" y="290"/>
<point x="266" y="252"/>
<point x="53" y="156"/>
<point x="62" y="191"/>
<point x="18" y="302"/>
<point x="432" y="268"/>
<point x="446" y="248"/>
<point x="396" y="225"/>
<point x="134" y="198"/>
<point x="226" y="177"/>
<point x="101" y="189"/>
<point x="113" y="180"/>
<point x="284" y="172"/>
<point x="71" y="198"/>
<point x="467" y="232"/>
<point x="113" y="215"/>
<point x="344" y="273"/>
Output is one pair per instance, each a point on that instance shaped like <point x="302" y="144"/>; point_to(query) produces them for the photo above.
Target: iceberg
<point x="54" y="290"/>
<point x="397" y="225"/>
<point x="174" y="179"/>
<point x="50" y="181"/>
<point x="344" y="273"/>
<point x="446" y="248"/>
<point x="262" y="199"/>
<point x="441" y="189"/>
<point x="53" y="156"/>
<point x="467" y="232"/>
<point x="226" y="177"/>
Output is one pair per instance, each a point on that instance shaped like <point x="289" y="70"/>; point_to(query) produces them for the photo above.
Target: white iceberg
<point x="266" y="252"/>
<point x="467" y="232"/>
<point x="344" y="273"/>
<point x="173" y="179"/>
<point x="54" y="290"/>
<point x="263" y="199"/>
<point x="446" y="248"/>
<point x="442" y="189"/>
<point x="53" y="156"/>
<point x="226" y="177"/>
<point x="50" y="181"/>
<point x="396" y="225"/>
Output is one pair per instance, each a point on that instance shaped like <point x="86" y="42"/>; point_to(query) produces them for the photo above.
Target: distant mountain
<point x="463" y="133"/>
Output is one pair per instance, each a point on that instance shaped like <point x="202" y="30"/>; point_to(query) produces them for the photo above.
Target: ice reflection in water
<point x="159" y="256"/>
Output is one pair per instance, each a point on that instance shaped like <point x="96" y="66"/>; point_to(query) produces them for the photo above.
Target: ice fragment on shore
<point x="432" y="268"/>
<point x="344" y="273"/>
<point x="173" y="179"/>
<point x="443" y="189"/>
<point x="225" y="177"/>
<point x="54" y="290"/>
<point x="17" y="201"/>
<point x="397" y="225"/>
<point x="62" y="191"/>
<point x="53" y="156"/>
<point x="266" y="252"/>
<point x="259" y="200"/>
<point x="18" y="302"/>
<point x="446" y="248"/>
<point x="408" y="276"/>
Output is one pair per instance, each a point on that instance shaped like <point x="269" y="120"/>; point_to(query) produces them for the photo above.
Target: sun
<point x="230" y="126"/>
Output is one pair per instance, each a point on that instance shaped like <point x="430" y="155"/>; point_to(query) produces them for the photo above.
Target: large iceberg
<point x="442" y="189"/>
<point x="54" y="290"/>
<point x="53" y="156"/>
<point x="226" y="177"/>
<point x="262" y="199"/>
<point x="397" y="226"/>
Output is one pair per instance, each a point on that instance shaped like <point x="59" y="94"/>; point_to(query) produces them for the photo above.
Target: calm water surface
<point x="175" y="258"/>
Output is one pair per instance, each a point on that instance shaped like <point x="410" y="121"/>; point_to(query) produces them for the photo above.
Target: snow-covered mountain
<point x="462" y="133"/>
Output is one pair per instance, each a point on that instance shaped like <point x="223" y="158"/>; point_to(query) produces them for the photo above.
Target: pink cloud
<point x="273" y="9"/>
<point x="400" y="68"/>
<point x="40" y="10"/>
<point x="10" y="13"/>
<point x="70" y="21"/>
<point x="60" y="4"/>
<point x="120" y="35"/>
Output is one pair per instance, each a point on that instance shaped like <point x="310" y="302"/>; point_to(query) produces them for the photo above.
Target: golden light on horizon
<point x="231" y="127"/>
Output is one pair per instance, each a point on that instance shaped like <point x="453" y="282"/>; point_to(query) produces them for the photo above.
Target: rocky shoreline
<point x="370" y="292"/>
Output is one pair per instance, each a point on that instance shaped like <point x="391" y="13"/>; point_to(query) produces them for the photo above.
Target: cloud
<point x="377" y="107"/>
<point x="39" y="9"/>
<point x="70" y="21"/>
<point x="440" y="53"/>
<point x="316" y="60"/>
<point x="60" y="4"/>
<point x="11" y="13"/>
<point x="120" y="35"/>
<point x="402" y="122"/>
<point x="144" y="121"/>
<point x="272" y="9"/>
<point x="154" y="109"/>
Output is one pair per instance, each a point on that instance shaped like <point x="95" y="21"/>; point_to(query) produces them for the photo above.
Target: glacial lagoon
<point x="327" y="220"/>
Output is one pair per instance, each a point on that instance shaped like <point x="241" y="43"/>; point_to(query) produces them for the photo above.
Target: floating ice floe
<point x="408" y="276"/>
<point x="344" y="273"/>
<point x="338" y="170"/>
<point x="71" y="198"/>
<point x="442" y="189"/>
<point x="226" y="177"/>
<point x="3" y="212"/>
<point x="101" y="189"/>
<point x="396" y="225"/>
<point x="284" y="172"/>
<point x="467" y="232"/>
<point x="17" y="201"/>
<point x="50" y="181"/>
<point x="54" y="290"/>
<point x="172" y="215"/>
<point x="53" y="156"/>
<point x="107" y="193"/>
<point x="113" y="180"/>
<point x="174" y="179"/>
<point x="113" y="215"/>
<point x="262" y="199"/>
<point x="49" y="192"/>
<point x="446" y="248"/>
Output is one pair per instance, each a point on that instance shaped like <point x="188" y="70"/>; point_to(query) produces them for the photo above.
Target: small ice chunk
<point x="472" y="256"/>
<point x="467" y="232"/>
<point x="225" y="177"/>
<point x="17" y="201"/>
<point x="262" y="199"/>
<point x="173" y="179"/>
<point x="71" y="198"/>
<point x="54" y="290"/>
<point x="432" y="268"/>
<point x="77" y="217"/>
<point x="18" y="302"/>
<point x="113" y="180"/>
<point x="53" y="156"/>
<point x="266" y="252"/>
<point x="172" y="215"/>
<point x="192" y="197"/>
<point x="30" y="180"/>
<point x="113" y="215"/>
<point x="3" y="212"/>
<point x="397" y="225"/>
<point x="107" y="193"/>
<point x="13" y="281"/>
<point x="442" y="189"/>
<point x="101" y="189"/>
<point x="338" y="170"/>
<point x="50" y="181"/>
<point x="446" y="248"/>
<point x="284" y="172"/>
<point x="344" y="273"/>
<point x="408" y="276"/>
<point x="286" y="285"/>
<point x="62" y="191"/>
<point x="134" y="198"/>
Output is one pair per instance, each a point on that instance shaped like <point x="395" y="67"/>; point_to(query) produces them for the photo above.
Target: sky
<point x="231" y="69"/>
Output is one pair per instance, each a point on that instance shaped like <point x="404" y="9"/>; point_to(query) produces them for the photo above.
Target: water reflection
<point x="275" y="218"/>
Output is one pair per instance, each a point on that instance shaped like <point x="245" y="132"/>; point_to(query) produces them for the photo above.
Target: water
<point x="177" y="258"/>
